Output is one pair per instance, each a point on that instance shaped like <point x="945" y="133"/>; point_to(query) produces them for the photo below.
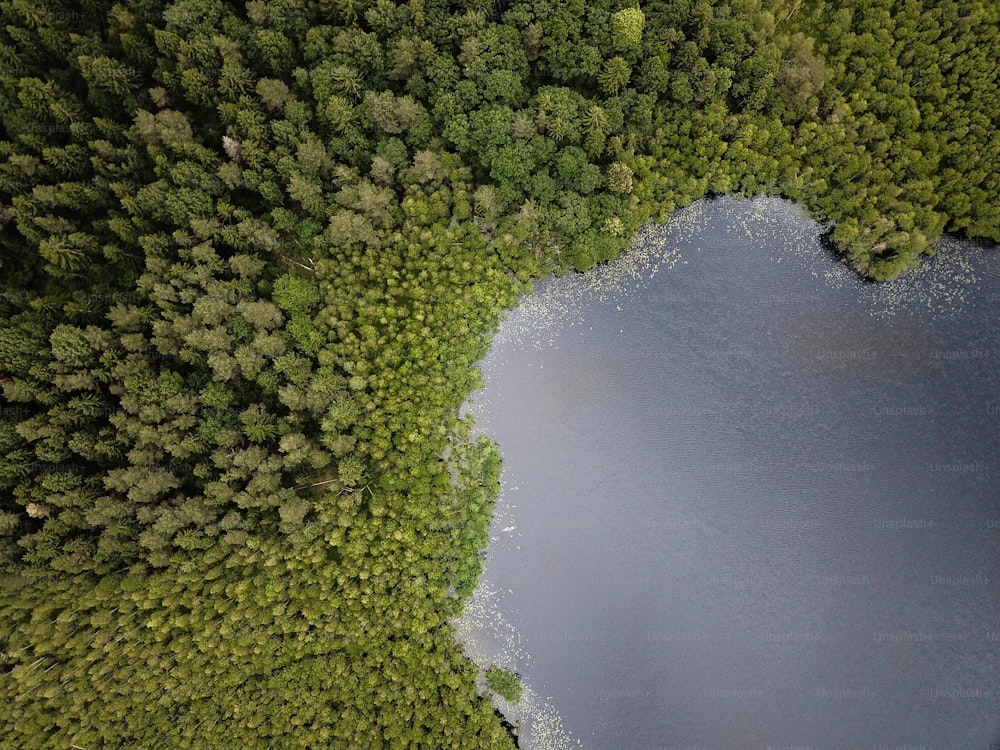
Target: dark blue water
<point x="751" y="502"/>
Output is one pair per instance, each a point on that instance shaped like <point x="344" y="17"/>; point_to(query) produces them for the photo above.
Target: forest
<point x="250" y="256"/>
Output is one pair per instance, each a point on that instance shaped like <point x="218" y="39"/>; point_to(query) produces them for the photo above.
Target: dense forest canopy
<point x="251" y="253"/>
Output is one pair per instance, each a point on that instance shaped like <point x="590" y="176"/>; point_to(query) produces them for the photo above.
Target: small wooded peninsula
<point x="250" y="254"/>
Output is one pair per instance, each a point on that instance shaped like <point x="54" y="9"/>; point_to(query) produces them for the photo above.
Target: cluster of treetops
<point x="252" y="252"/>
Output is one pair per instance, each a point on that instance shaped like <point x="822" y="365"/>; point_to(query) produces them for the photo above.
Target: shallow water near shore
<point x="748" y="500"/>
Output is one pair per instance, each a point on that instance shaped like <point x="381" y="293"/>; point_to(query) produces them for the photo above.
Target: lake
<point x="749" y="501"/>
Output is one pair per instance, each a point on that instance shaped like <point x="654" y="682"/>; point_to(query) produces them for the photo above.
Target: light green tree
<point x="626" y="30"/>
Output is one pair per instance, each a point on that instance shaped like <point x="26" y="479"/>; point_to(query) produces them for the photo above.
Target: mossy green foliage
<point x="626" y="29"/>
<point x="251" y="253"/>
<point x="504" y="683"/>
